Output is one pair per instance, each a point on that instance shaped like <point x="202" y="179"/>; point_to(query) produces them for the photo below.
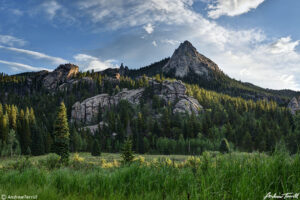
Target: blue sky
<point x="254" y="41"/>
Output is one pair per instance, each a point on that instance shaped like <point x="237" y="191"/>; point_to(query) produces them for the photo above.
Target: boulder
<point x="187" y="105"/>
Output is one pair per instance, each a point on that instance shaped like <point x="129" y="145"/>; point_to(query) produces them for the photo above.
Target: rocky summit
<point x="186" y="59"/>
<point x="60" y="75"/>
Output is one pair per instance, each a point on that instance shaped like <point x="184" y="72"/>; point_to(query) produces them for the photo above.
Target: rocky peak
<point x="69" y="70"/>
<point x="187" y="59"/>
<point x="60" y="75"/>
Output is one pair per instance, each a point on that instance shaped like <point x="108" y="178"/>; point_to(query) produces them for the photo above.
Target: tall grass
<point x="230" y="176"/>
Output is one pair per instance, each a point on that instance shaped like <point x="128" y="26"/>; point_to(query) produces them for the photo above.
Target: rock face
<point x="186" y="59"/>
<point x="70" y="83"/>
<point x="60" y="75"/>
<point x="87" y="111"/>
<point x="294" y="105"/>
<point x="188" y="104"/>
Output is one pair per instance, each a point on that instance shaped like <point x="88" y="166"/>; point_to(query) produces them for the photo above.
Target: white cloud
<point x="260" y="65"/>
<point x="283" y="45"/>
<point x="149" y="28"/>
<point x="154" y="43"/>
<point x="11" y="40"/>
<point x="51" y="8"/>
<point x="21" y="67"/>
<point x="37" y="55"/>
<point x="171" y="42"/>
<point x="231" y="7"/>
<point x="88" y="62"/>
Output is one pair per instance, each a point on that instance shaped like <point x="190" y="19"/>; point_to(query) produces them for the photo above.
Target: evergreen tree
<point x="4" y="128"/>
<point x="13" y="117"/>
<point x="28" y="151"/>
<point x="61" y="134"/>
<point x="37" y="146"/>
<point x="1" y="110"/>
<point x="127" y="153"/>
<point x="224" y="147"/>
<point x="96" y="150"/>
<point x="48" y="142"/>
<point x="12" y="142"/>
<point x="26" y="133"/>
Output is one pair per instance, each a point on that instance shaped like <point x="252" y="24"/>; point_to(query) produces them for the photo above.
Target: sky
<point x="254" y="41"/>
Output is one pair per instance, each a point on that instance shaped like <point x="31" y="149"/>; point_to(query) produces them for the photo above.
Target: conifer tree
<point x="61" y="133"/>
<point x="26" y="133"/>
<point x="224" y="147"/>
<point x="1" y="110"/>
<point x="13" y="117"/>
<point x="4" y="122"/>
<point x="37" y="146"/>
<point x="96" y="150"/>
<point x="127" y="153"/>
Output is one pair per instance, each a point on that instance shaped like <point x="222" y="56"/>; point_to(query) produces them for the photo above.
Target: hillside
<point x="183" y="104"/>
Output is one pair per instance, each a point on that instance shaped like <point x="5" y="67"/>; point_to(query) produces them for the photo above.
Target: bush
<point x="78" y="162"/>
<point x="51" y="162"/>
<point x="21" y="164"/>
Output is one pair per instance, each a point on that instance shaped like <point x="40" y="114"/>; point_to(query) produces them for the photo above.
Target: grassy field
<point x="210" y="176"/>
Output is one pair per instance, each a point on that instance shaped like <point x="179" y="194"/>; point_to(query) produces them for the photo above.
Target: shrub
<point x="51" y="162"/>
<point x="77" y="162"/>
<point x="21" y="164"/>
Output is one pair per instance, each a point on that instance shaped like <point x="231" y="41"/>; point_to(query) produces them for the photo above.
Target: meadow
<point x="209" y="176"/>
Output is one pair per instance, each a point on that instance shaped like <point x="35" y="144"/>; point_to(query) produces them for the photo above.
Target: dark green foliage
<point x="224" y="146"/>
<point x="96" y="150"/>
<point x="28" y="151"/>
<point x="37" y="146"/>
<point x="127" y="153"/>
<point x="249" y="125"/>
<point x="61" y="134"/>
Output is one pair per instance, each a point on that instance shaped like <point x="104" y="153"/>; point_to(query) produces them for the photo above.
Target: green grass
<point x="230" y="176"/>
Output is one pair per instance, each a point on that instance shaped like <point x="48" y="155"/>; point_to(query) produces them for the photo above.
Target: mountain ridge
<point x="186" y="64"/>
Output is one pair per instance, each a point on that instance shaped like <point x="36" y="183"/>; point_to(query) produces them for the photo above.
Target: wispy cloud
<point x="171" y="42"/>
<point x="11" y="40"/>
<point x="231" y="8"/>
<point x="115" y="13"/>
<point x="51" y="8"/>
<point x="37" y="55"/>
<point x="88" y="62"/>
<point x="21" y="67"/>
